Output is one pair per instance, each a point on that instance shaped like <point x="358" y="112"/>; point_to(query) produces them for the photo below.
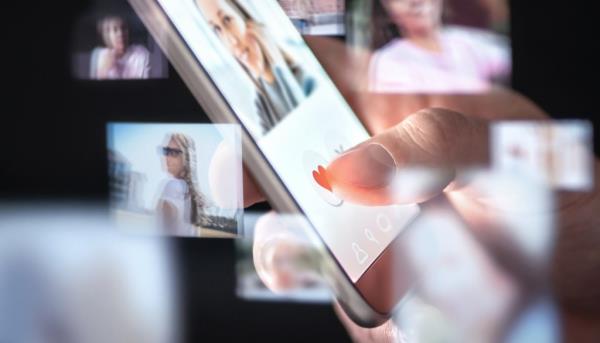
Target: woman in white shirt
<point x="181" y="203"/>
<point x="118" y="59"/>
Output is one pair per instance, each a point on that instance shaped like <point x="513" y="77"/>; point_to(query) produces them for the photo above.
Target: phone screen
<point x="288" y="105"/>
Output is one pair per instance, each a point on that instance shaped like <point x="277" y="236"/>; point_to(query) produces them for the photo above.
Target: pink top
<point x="134" y="64"/>
<point x="469" y="61"/>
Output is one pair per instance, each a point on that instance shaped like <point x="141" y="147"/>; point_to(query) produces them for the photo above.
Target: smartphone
<point x="245" y="63"/>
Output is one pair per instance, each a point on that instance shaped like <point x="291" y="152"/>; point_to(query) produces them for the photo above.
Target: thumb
<point x="411" y="162"/>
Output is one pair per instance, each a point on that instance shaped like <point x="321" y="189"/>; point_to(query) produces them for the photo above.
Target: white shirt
<point x="175" y="193"/>
<point x="470" y="59"/>
<point x="134" y="64"/>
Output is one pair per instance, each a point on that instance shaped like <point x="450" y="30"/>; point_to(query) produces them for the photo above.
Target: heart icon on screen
<point x="320" y="176"/>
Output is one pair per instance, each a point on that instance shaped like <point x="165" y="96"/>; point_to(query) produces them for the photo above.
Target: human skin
<point x="236" y="35"/>
<point x="174" y="164"/>
<point x="115" y="35"/>
<point x="448" y="130"/>
<point x="418" y="20"/>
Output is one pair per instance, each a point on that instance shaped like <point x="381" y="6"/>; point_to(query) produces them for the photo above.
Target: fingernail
<point x="368" y="166"/>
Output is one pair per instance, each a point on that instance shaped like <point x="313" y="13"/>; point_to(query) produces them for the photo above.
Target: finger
<point x="283" y="256"/>
<point x="411" y="162"/>
<point x="252" y="193"/>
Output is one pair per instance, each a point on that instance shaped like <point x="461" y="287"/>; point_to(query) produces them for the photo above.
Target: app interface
<point x="292" y="110"/>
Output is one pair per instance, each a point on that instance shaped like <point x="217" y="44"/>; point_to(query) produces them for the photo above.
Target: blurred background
<point x="54" y="142"/>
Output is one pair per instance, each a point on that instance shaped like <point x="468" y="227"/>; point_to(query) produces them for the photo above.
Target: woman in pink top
<point x="421" y="55"/>
<point x="118" y="59"/>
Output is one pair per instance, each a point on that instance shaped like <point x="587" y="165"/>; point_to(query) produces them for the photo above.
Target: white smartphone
<point x="245" y="63"/>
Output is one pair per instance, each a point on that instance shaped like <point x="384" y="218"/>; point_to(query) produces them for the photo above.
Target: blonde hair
<point x="189" y="174"/>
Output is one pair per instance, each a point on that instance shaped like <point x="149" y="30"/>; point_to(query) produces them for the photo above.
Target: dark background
<point x="53" y="134"/>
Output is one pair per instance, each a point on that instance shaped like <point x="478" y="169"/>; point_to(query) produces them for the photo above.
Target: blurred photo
<point x="53" y="272"/>
<point x="161" y="178"/>
<point x="555" y="153"/>
<point x="437" y="46"/>
<point x="280" y="82"/>
<point x="115" y="46"/>
<point x="293" y="255"/>
<point x="316" y="17"/>
<point x="116" y="58"/>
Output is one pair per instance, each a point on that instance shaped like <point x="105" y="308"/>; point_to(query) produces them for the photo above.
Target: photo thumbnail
<point x="113" y="44"/>
<point x="176" y="179"/>
<point x="432" y="46"/>
<point x="255" y="58"/>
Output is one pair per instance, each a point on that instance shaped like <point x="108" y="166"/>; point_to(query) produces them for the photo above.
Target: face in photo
<point x="253" y="56"/>
<point x="293" y="256"/>
<point x="278" y="80"/>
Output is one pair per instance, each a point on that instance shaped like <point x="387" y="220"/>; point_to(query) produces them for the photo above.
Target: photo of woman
<point x="109" y="42"/>
<point x="416" y="51"/>
<point x="117" y="58"/>
<point x="181" y="203"/>
<point x="280" y="82"/>
<point x="163" y="182"/>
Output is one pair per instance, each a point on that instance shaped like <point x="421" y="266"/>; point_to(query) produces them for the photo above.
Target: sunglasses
<point x="171" y="152"/>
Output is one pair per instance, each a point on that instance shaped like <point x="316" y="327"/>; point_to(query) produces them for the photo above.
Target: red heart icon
<point x="320" y="175"/>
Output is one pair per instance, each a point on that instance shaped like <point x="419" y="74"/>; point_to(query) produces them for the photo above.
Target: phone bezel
<point x="366" y="306"/>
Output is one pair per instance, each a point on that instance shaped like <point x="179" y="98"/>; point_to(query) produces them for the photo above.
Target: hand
<point x="107" y="61"/>
<point x="444" y="132"/>
<point x="379" y="112"/>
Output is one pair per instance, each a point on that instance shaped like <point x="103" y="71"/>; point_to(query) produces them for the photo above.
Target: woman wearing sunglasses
<point x="181" y="204"/>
